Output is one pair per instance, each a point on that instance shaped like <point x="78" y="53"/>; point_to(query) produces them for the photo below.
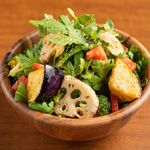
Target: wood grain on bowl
<point x="66" y="128"/>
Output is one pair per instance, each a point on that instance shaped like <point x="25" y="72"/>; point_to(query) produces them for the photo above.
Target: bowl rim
<point x="75" y="123"/>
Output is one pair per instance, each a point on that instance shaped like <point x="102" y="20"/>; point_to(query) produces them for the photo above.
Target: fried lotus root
<point x="69" y="105"/>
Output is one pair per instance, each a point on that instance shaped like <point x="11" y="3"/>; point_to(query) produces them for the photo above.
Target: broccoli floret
<point x="104" y="105"/>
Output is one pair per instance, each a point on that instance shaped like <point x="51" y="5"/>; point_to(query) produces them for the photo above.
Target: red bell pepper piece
<point x="23" y="80"/>
<point x="114" y="103"/>
<point x="37" y="66"/>
<point x="129" y="63"/>
<point x="96" y="53"/>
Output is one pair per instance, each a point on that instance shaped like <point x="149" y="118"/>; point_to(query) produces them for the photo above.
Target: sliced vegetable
<point x="35" y="82"/>
<point x="96" y="53"/>
<point x="44" y="83"/>
<point x="23" y="80"/>
<point x="114" y="103"/>
<point x="49" y="49"/>
<point x="69" y="106"/>
<point x="52" y="82"/>
<point x="129" y="63"/>
<point x="123" y="83"/>
<point x="115" y="47"/>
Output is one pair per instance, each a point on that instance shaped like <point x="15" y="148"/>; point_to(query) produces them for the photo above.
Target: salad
<point x="78" y="69"/>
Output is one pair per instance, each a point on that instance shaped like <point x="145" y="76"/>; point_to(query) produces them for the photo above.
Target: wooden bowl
<point x="65" y="128"/>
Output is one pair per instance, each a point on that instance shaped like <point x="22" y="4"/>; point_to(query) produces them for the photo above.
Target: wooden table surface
<point x="132" y="16"/>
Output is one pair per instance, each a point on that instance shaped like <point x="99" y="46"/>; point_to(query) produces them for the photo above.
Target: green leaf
<point x="104" y="105"/>
<point x="43" y="107"/>
<point x="49" y="25"/>
<point x="55" y="27"/>
<point x="24" y="61"/>
<point x="92" y="80"/>
<point x="69" y="53"/>
<point x="61" y="39"/>
<point x="77" y="36"/>
<point x="86" y="81"/>
<point x="65" y="20"/>
<point x="109" y="25"/>
<point x="102" y="68"/>
<point x="65" y="30"/>
<point x="77" y="68"/>
<point x="21" y="93"/>
<point x="96" y="83"/>
<point x="132" y="52"/>
<point x="141" y="63"/>
<point x="91" y="33"/>
<point x="60" y="95"/>
<point x="40" y="25"/>
<point x="82" y="64"/>
<point x="69" y="69"/>
<point x="86" y="19"/>
<point x="88" y="75"/>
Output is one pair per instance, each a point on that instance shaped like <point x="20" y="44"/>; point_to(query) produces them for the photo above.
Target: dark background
<point x="131" y="16"/>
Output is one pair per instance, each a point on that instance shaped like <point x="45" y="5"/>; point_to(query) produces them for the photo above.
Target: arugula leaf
<point x="77" y="60"/>
<point x="69" y="69"/>
<point x="61" y="39"/>
<point x="91" y="33"/>
<point x="65" y="20"/>
<point x="21" y="93"/>
<point x="49" y="25"/>
<point x="73" y="37"/>
<point x="96" y="83"/>
<point x="69" y="53"/>
<point x="88" y="75"/>
<point x="65" y="30"/>
<point x="43" y="107"/>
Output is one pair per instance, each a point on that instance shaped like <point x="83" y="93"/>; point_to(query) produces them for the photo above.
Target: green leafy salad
<point x="78" y="69"/>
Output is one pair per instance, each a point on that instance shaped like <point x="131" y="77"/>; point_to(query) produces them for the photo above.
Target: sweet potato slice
<point x="123" y="83"/>
<point x="35" y="81"/>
